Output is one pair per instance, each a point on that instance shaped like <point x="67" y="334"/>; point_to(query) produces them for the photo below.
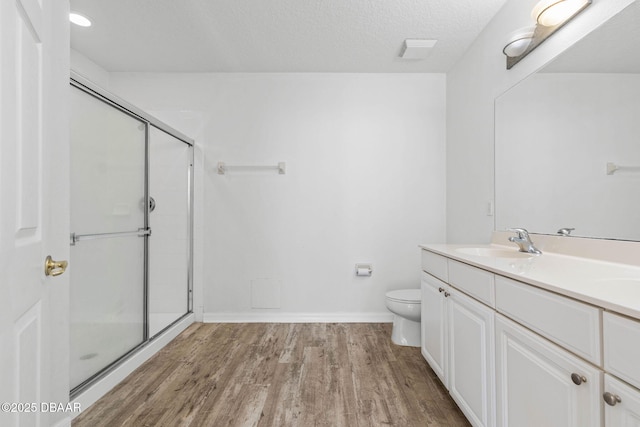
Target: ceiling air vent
<point x="417" y="48"/>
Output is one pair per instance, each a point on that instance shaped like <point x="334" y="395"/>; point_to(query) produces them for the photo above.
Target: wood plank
<point x="279" y="375"/>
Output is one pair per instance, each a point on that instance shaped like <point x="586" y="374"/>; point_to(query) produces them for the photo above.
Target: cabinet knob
<point x="440" y="289"/>
<point x="578" y="379"/>
<point x="611" y="399"/>
<point x="446" y="294"/>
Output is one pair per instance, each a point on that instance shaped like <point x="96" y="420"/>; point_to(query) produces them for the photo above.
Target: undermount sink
<point x="494" y="252"/>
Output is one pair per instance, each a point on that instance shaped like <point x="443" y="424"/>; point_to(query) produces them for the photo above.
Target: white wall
<point x="365" y="176"/>
<point x="472" y="86"/>
<point x="554" y="135"/>
<point x="89" y="69"/>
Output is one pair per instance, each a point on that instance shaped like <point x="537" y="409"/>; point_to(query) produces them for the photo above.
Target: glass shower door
<point x="109" y="225"/>
<point x="169" y="176"/>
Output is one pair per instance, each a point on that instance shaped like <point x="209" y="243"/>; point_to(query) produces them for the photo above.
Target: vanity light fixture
<point x="518" y="42"/>
<point x="550" y="13"/>
<point x="550" y="16"/>
<point x="79" y="19"/>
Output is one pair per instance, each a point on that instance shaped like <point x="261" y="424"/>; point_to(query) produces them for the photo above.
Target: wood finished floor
<point x="279" y="375"/>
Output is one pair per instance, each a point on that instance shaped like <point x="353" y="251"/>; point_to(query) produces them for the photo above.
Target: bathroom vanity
<point x="531" y="340"/>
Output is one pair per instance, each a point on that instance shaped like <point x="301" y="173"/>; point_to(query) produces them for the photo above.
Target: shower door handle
<point x="151" y="206"/>
<point x="79" y="237"/>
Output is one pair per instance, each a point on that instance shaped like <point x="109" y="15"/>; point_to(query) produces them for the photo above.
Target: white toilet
<point x="405" y="306"/>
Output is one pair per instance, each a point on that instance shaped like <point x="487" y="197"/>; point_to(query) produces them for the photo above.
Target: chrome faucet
<point x="566" y="231"/>
<point x="523" y="241"/>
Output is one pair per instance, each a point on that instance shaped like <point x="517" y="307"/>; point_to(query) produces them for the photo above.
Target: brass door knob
<point x="54" y="268"/>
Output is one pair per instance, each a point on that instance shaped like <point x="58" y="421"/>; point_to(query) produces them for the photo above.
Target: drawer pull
<point x="440" y="289"/>
<point x="578" y="379"/>
<point x="611" y="399"/>
<point x="446" y="294"/>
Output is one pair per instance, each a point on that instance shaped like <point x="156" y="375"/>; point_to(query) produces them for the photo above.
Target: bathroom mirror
<point x="567" y="139"/>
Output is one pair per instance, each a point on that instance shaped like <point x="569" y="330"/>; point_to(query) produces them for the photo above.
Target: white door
<point x="34" y="198"/>
<point x="471" y="365"/>
<point x="541" y="384"/>
<point x="622" y="403"/>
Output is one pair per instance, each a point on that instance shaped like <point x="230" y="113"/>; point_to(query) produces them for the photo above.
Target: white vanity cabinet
<point x="622" y="359"/>
<point x="622" y="407"/>
<point x="520" y="351"/>
<point x="541" y="384"/>
<point x="622" y="347"/>
<point x="458" y="343"/>
<point x="571" y="324"/>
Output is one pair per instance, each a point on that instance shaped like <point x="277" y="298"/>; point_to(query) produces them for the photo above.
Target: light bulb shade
<point x="518" y="42"/>
<point x="516" y="47"/>
<point x="79" y="19"/>
<point x="550" y="13"/>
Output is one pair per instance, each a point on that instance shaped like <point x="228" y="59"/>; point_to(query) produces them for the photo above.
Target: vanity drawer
<point x="622" y="347"/>
<point x="473" y="281"/>
<point x="569" y="323"/>
<point x="434" y="264"/>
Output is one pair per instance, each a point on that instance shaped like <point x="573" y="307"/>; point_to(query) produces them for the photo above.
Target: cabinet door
<point x="433" y="324"/>
<point x="626" y="411"/>
<point x="471" y="368"/>
<point x="534" y="382"/>
<point x="622" y="347"/>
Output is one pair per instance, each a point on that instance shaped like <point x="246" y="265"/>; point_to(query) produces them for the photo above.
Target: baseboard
<point x="94" y="392"/>
<point x="298" y="317"/>
<point x="65" y="422"/>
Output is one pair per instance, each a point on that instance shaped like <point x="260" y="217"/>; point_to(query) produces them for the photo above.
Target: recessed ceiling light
<point x="79" y="19"/>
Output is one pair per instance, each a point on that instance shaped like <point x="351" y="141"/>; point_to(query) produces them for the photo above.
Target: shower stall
<point x="132" y="232"/>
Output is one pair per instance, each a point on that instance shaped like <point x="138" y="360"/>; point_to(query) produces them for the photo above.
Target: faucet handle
<point x="522" y="233"/>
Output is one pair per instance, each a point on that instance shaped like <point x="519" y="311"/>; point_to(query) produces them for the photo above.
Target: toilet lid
<point x="405" y="295"/>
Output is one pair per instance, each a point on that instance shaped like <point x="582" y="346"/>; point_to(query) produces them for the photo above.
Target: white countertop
<point x="612" y="286"/>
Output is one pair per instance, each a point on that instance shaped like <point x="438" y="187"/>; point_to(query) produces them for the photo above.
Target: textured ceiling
<point x="612" y="48"/>
<point x="276" y="35"/>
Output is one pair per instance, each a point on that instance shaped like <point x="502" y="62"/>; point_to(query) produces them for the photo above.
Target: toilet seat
<point x="407" y="296"/>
